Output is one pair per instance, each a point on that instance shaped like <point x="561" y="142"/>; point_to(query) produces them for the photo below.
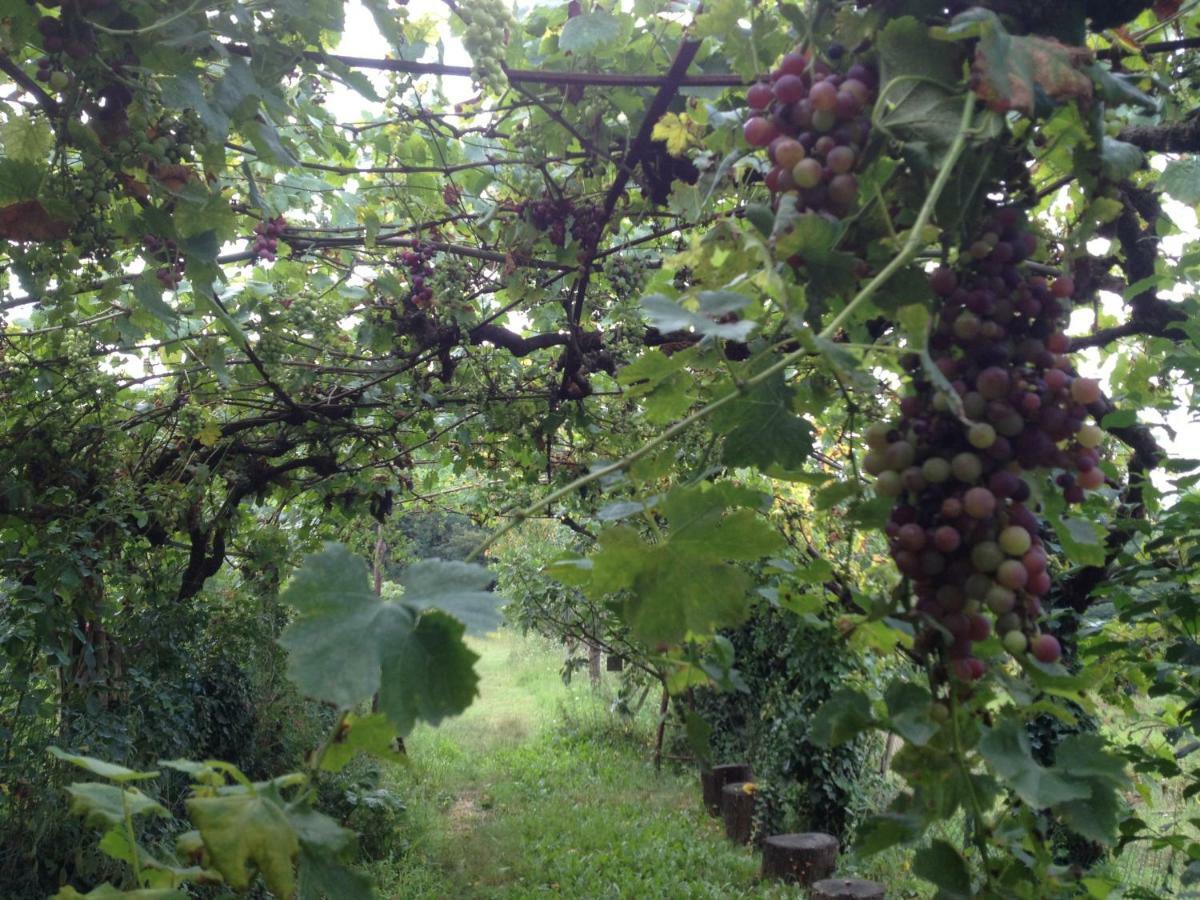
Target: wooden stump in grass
<point x="846" y="889"/>
<point x="737" y="808"/>
<point x="712" y="780"/>
<point x="799" y="858"/>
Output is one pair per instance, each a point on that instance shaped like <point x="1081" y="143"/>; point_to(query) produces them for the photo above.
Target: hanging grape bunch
<point x="558" y="216"/>
<point x="171" y="266"/>
<point x="266" y="238"/>
<point x="814" y="123"/>
<point x="418" y="263"/>
<point x="489" y="23"/>
<point x="962" y="529"/>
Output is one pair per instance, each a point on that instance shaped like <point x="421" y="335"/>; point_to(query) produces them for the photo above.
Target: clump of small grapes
<point x="814" y="123"/>
<point x="996" y="405"/>
<point x="266" y="238"/>
<point x="489" y="23"/>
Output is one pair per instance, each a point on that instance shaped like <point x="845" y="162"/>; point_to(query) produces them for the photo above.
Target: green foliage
<point x="440" y="302"/>
<point x="790" y="668"/>
<point x="346" y="645"/>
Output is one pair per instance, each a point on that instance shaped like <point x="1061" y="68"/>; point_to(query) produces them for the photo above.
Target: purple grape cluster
<point x="558" y="216"/>
<point x="266" y="238"/>
<point x="962" y="529"/>
<point x="419" y="263"/>
<point x="170" y="272"/>
<point x="814" y="123"/>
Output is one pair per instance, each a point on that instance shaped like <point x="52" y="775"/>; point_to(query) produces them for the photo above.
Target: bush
<point x="790" y="666"/>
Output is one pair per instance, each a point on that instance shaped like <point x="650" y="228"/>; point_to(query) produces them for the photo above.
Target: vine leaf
<point x="374" y="735"/>
<point x="104" y="805"/>
<point x="346" y="644"/>
<point x="245" y="833"/>
<point x="942" y="865"/>
<point x="716" y="314"/>
<point x="922" y="105"/>
<point x="842" y="717"/>
<point x="1181" y="180"/>
<point x="761" y="430"/>
<point x="1006" y="748"/>
<point x="661" y="381"/>
<point x="585" y="33"/>
<point x="28" y="220"/>
<point x="111" y="771"/>
<point x="686" y="582"/>
<point x="108" y="892"/>
<point x="1012" y="72"/>
<point x="909" y="710"/>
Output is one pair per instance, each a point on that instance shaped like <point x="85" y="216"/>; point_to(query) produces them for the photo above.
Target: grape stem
<point x="809" y="341"/>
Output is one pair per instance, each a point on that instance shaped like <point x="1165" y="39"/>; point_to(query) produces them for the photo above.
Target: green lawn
<point x="538" y="790"/>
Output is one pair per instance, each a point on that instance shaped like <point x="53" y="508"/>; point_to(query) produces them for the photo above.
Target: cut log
<point x="799" y="858"/>
<point x="846" y="889"/>
<point x="712" y="780"/>
<point x="737" y="808"/>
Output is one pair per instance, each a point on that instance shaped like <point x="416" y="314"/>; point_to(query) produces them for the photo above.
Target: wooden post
<point x="846" y="889"/>
<point x="799" y="858"/>
<point x="714" y="779"/>
<point x="737" y="808"/>
<point x="663" y="706"/>
<point x="594" y="663"/>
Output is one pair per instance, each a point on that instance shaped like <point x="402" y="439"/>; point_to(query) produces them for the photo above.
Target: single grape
<point x="1046" y="648"/>
<point x="1015" y="642"/>
<point x="759" y="96"/>
<point x="1085" y="391"/>
<point x="986" y="556"/>
<point x="979" y="503"/>
<point x="759" y="132"/>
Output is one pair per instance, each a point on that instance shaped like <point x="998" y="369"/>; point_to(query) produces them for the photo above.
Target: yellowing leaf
<point x="209" y="434"/>
<point x="248" y="832"/>
<point x="676" y="130"/>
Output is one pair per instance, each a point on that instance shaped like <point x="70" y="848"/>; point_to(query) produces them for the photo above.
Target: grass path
<point x="538" y="791"/>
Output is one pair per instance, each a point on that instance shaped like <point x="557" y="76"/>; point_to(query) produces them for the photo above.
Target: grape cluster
<point x="814" y="123"/>
<point x="170" y="272"/>
<point x="419" y="263"/>
<point x="556" y="216"/>
<point x="963" y="529"/>
<point x="69" y="36"/>
<point x="266" y="238"/>
<point x="626" y="275"/>
<point x="488" y="25"/>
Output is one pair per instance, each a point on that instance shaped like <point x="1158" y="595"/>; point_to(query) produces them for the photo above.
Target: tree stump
<point x="799" y="858"/>
<point x="737" y="808"/>
<point x="846" y="889"/>
<point x="712" y="780"/>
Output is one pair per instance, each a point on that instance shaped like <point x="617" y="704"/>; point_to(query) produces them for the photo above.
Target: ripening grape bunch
<point x="266" y="238"/>
<point x="558" y="216"/>
<point x="964" y="529"/>
<point x="814" y="123"/>
<point x="419" y="264"/>
<point x="489" y="23"/>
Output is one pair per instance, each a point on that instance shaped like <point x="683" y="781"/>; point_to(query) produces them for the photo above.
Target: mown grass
<point x="538" y="790"/>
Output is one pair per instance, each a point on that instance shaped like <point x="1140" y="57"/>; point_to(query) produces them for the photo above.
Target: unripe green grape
<point x="889" y="484"/>
<point x="1015" y="540"/>
<point x="1015" y="642"/>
